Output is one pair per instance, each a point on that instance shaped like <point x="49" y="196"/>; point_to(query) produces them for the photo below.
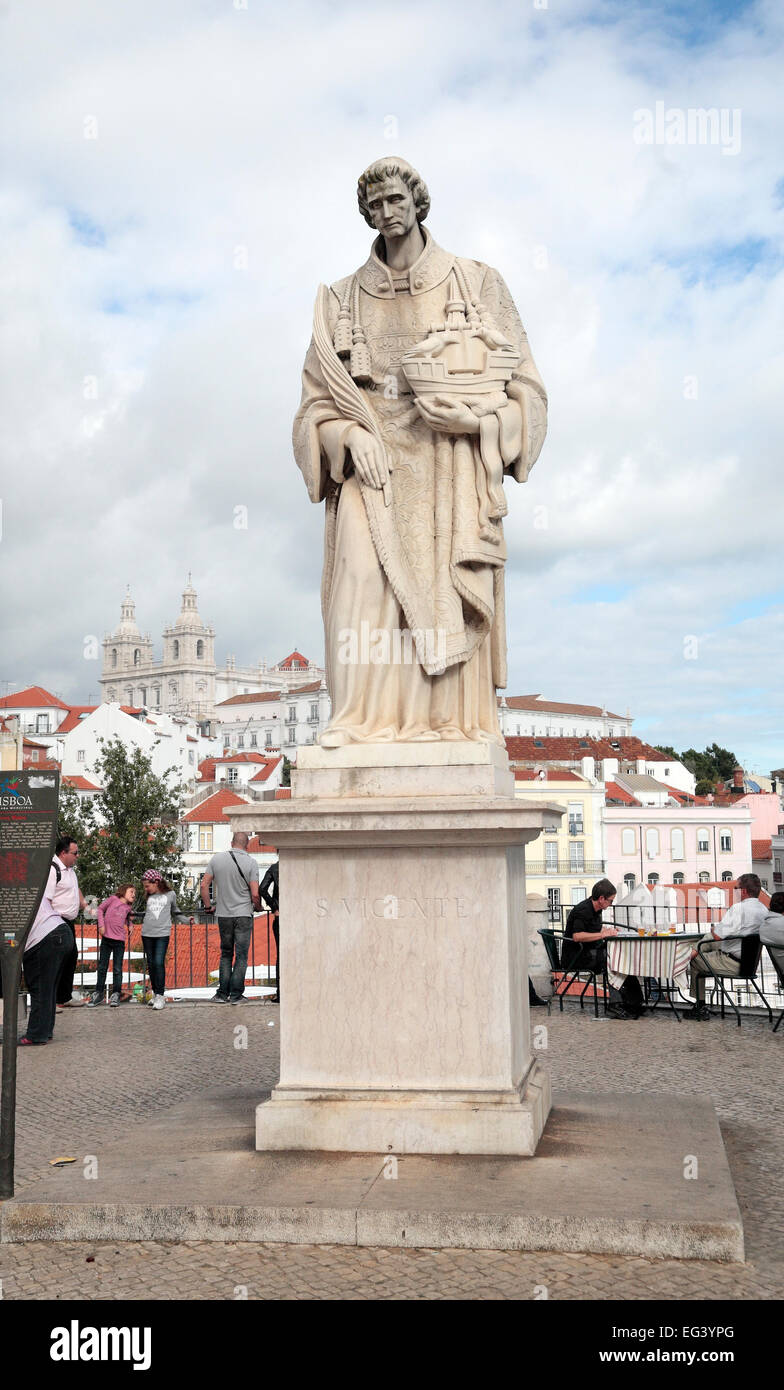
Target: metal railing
<point x="564" y="866"/>
<point x="192" y="959"/>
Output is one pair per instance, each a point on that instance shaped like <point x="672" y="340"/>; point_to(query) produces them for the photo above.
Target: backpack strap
<point x="58" y="871"/>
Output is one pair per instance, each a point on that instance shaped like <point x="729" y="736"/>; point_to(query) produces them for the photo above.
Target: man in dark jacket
<point x="268" y="891"/>
<point x="584" y="927"/>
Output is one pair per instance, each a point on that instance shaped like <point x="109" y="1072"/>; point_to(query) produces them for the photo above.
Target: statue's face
<point x="391" y="207"/>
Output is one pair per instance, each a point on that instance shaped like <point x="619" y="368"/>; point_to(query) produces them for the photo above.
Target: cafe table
<point x="655" y="955"/>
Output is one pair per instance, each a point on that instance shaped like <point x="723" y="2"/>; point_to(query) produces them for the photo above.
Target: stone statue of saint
<point x="419" y="395"/>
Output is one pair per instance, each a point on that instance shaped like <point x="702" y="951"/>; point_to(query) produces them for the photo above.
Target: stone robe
<point x="419" y="564"/>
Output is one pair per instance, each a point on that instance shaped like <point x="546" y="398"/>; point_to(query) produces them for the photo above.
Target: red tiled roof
<point x="290" y="662"/>
<point x="207" y="767"/>
<point x="536" y="702"/>
<point x="81" y="783"/>
<point x="34" y="696"/>
<point x="282" y="793"/>
<point x="251" y="697"/>
<point x="256" y="847"/>
<point x="77" y="713"/>
<point x="551" y="774"/>
<point x="265" y="772"/>
<point x="761" y="849"/>
<point x="552" y="749"/>
<point x="615" y="792"/>
<point x="30" y="743"/>
<point x="211" y="810"/>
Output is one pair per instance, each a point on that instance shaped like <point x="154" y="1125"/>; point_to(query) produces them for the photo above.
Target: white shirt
<point x="742" y="919"/>
<point x="772" y="929"/>
<point x="46" y="919"/>
<point x="64" y="896"/>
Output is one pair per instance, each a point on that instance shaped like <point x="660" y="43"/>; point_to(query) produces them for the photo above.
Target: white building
<point x="533" y="716"/>
<point x="188" y="680"/>
<point x="206" y="830"/>
<point x="250" y="773"/>
<point x="167" y="740"/>
<point x="600" y="759"/>
<point x="267" y="719"/>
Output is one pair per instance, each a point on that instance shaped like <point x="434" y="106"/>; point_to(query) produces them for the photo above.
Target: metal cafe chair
<point x="750" y="953"/>
<point x="776" y="954"/>
<point x="580" y="964"/>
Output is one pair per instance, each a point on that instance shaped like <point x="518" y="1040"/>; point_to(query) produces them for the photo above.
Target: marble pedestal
<point x="404" y="995"/>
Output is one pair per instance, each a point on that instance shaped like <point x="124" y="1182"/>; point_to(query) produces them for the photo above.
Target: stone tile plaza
<point x="391" y="755"/>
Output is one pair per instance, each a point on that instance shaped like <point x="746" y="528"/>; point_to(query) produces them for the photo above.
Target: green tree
<point x="715" y="764"/>
<point x="131" y="826"/>
<point x="285" y="776"/>
<point x="704" y="786"/>
<point x="665" y="748"/>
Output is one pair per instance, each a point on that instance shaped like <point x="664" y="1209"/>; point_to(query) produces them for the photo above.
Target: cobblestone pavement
<point x="108" y="1071"/>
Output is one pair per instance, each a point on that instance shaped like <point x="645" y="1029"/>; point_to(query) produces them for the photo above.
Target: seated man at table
<point x="744" y="918"/>
<point x="584" y="926"/>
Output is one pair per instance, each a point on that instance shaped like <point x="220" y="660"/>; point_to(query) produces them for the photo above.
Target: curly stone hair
<point x="385" y="169"/>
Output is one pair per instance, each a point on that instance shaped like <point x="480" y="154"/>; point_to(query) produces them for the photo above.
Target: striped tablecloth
<point x="659" y="957"/>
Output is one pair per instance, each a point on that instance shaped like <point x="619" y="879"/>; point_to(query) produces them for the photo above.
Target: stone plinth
<point x="404" y="995"/>
<point x="403" y="769"/>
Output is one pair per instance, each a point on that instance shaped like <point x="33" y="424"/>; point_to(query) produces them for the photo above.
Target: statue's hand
<point x="446" y="415"/>
<point x="368" y="456"/>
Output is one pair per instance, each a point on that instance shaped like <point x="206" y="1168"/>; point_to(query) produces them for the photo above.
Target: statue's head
<point x="392" y="196"/>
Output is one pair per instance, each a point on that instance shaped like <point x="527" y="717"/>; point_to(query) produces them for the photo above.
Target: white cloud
<point x="221" y="128"/>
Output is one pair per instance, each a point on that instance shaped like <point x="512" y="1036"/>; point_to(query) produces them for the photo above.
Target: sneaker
<point x="219" y="998"/>
<point x="236" y="998"/>
<point x="159" y="1001"/>
<point x="94" y="998"/>
<point x="699" y="1014"/>
<point x="114" y="1000"/>
<point x="29" y="1042"/>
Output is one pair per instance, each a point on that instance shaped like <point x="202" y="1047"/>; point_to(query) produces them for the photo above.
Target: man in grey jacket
<point x="235" y="874"/>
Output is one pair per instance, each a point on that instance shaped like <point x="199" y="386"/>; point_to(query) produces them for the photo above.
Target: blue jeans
<point x="110" y="948"/>
<point x="155" y="948"/>
<point x="235" y="944"/>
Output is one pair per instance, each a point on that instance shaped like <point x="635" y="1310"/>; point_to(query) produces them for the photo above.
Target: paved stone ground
<point x="109" y="1070"/>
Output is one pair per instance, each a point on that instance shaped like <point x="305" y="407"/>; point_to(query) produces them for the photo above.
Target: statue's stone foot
<point x="451" y="734"/>
<point x="484" y="736"/>
<point x="334" y="738"/>
<point x="426" y="736"/>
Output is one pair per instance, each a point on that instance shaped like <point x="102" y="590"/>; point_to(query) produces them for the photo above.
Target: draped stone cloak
<point x="414" y="559"/>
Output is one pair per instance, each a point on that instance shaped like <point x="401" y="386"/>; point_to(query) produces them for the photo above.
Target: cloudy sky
<point x="179" y="179"/>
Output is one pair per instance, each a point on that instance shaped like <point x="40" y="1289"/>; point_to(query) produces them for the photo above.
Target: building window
<point x="240" y="740"/>
<point x="551" y="858"/>
<point x="725" y="841"/>
<point x="704" y="876"/>
<point x="205" y="837"/>
<point x="554" y="904"/>
<point x="191" y="756"/>
<point x="200" y="648"/>
<point x="678" y="878"/>
<point x="727" y="877"/>
<point x="291" y="736"/>
<point x="677" y="844"/>
<point x="652" y="842"/>
<point x="578" y="896"/>
<point x="703" y="841"/>
<point x="575" y="812"/>
<point x="232" y="774"/>
<point x="628" y="841"/>
<point x="292" y="715"/>
<point x="156" y="696"/>
<point x="42" y="723"/>
<point x="136" y="656"/>
<point x="653" y="879"/>
<point x="176" y="650"/>
<point x="577" y="856"/>
<point x="253" y="740"/>
<point x="629" y="882"/>
<point x="114" y="658"/>
<point x="80" y="758"/>
<point x="34" y="752"/>
<point x="314" y="714"/>
<point x="129" y="697"/>
<point x="267" y="738"/>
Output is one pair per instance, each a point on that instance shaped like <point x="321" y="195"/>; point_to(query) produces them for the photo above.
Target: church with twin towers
<point x="188" y="681"/>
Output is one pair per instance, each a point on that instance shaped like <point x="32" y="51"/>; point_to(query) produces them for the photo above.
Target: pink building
<point x="676" y="844"/>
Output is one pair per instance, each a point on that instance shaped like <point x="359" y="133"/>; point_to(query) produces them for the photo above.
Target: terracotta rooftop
<point x="292" y="662"/>
<point x="761" y="849"/>
<point x="266" y="771"/>
<point x="551" y="774"/>
<point x="34" y="696"/>
<point x="537" y="703"/>
<point x="81" y="783"/>
<point x="551" y="749"/>
<point x="614" y="793"/>
<point x="211" y="809"/>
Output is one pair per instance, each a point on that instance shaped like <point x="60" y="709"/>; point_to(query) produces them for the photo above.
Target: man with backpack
<point x="65" y="895"/>
<point x="235" y="874"/>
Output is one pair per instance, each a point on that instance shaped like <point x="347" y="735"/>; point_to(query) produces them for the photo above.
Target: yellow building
<point x="564" y="864"/>
<point x="11" y="741"/>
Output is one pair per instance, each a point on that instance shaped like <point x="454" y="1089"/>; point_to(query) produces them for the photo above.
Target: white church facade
<point x="188" y="680"/>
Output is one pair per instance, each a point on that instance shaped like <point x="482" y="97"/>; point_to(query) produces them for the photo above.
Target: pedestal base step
<point x="410" y="1123"/>
<point x="607" y="1178"/>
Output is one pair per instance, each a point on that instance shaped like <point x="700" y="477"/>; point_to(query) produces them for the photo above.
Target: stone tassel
<point x="360" y="354"/>
<point x="343" y="338"/>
